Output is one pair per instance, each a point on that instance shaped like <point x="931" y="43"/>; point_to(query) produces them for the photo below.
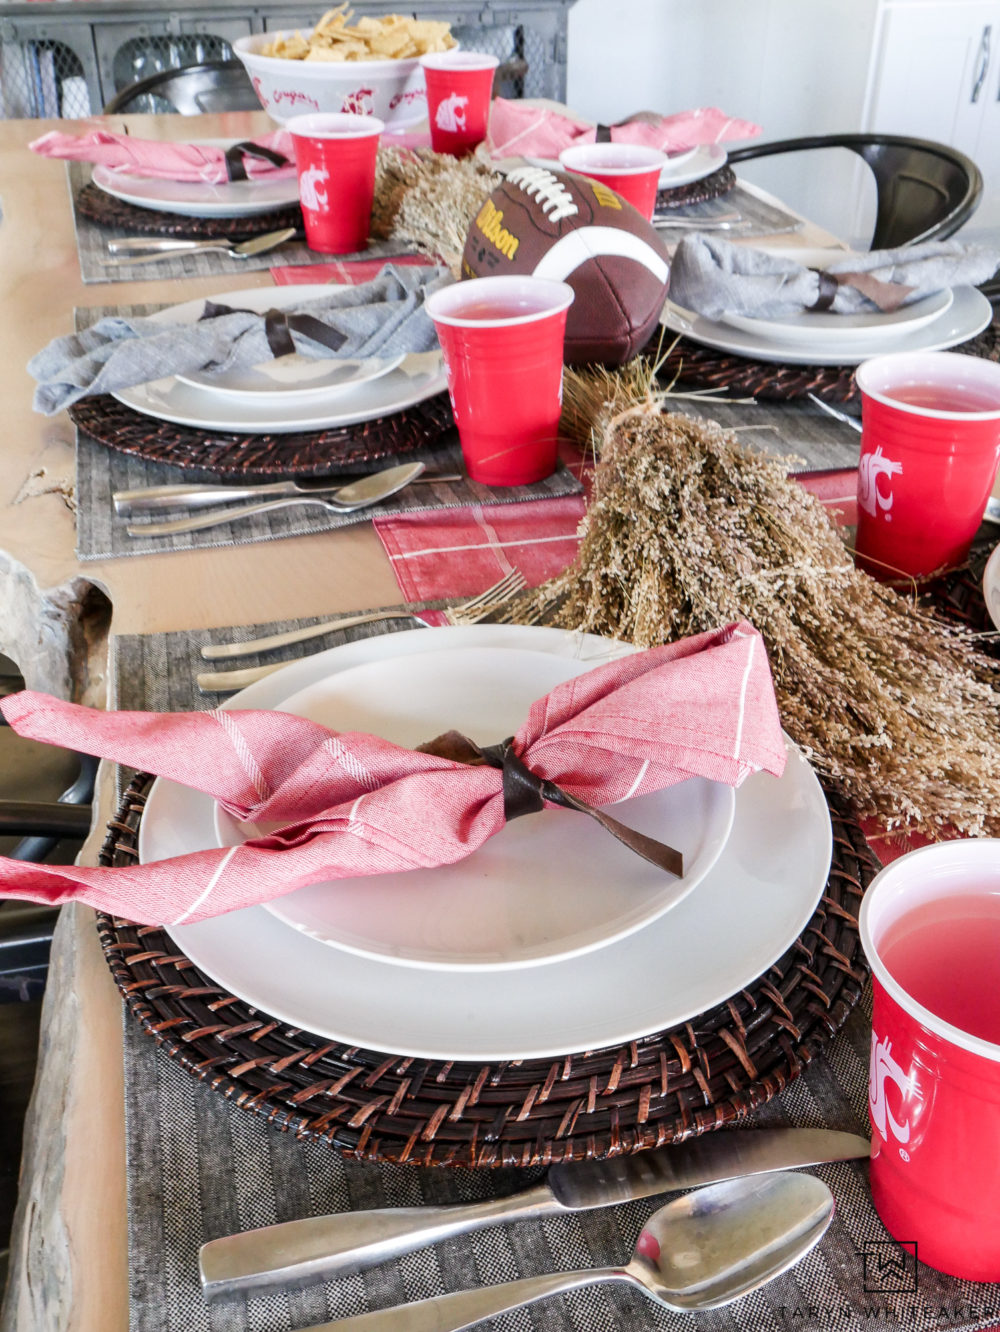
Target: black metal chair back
<point x="192" y="90"/>
<point x="926" y="190"/>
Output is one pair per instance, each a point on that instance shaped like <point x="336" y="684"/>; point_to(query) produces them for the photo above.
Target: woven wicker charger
<point x="378" y="1106"/>
<point x="107" y="211"/>
<point x="697" y="191"/>
<point x="312" y="453"/>
<point x="705" y="367"/>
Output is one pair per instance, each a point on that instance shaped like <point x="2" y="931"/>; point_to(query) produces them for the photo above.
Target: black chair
<point x="192" y="90"/>
<point x="925" y="190"/>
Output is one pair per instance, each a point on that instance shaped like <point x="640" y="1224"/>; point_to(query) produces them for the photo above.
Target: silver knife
<point x="155" y="499"/>
<point x="323" y="1247"/>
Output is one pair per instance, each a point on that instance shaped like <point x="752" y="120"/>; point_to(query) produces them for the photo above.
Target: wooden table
<point x="69" y="1260"/>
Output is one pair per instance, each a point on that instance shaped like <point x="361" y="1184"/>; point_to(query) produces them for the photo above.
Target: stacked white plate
<point x="551" y="938"/>
<point x="291" y="393"/>
<point x="942" y="319"/>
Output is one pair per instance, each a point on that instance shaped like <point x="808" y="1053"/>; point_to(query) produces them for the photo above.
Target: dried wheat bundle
<point x="689" y="529"/>
<point x="428" y="200"/>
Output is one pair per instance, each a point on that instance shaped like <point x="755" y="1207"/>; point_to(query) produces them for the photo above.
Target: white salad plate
<point x="838" y="330"/>
<point x="414" y="378"/>
<point x="968" y="314"/>
<point x="543" y="888"/>
<point x="191" y="198"/>
<point x="294" y="376"/>
<point x="746" y="912"/>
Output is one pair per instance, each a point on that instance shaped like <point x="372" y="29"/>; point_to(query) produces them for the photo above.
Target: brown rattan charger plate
<point x="712" y="186"/>
<point x="696" y="366"/>
<point x="309" y="453"/>
<point x="376" y="1105"/>
<point x="106" y="211"/>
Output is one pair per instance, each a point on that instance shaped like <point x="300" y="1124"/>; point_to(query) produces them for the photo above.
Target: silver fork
<point x="469" y="612"/>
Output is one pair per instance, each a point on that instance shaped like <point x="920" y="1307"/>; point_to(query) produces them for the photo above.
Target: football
<point x="573" y="229"/>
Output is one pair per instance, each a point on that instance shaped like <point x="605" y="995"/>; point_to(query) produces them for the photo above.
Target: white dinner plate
<point x="691" y="165"/>
<point x="747" y="911"/>
<point x="191" y="198"/>
<point x="991" y="587"/>
<point x="968" y="314"/>
<point x="823" y="328"/>
<point x="416" y="377"/>
<point x="688" y="168"/>
<point x="541" y="889"/>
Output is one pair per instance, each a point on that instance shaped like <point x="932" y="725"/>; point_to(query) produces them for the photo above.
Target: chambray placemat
<point x="101" y="471"/>
<point x="92" y="248"/>
<point x="200" y="1167"/>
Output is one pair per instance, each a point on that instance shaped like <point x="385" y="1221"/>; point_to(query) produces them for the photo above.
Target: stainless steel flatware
<point x="469" y="612"/>
<point x="148" y="250"/>
<point x="156" y="499"/>
<point x="346" y="499"/>
<point x="701" y="1251"/>
<point x="722" y="222"/>
<point x="323" y="1247"/>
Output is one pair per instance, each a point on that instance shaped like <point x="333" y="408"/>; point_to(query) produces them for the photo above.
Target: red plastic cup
<point x="930" y="444"/>
<point x="335" y="156"/>
<point x="502" y="339"/>
<point x="459" y="87"/>
<point x="930" y="927"/>
<point x="627" y="168"/>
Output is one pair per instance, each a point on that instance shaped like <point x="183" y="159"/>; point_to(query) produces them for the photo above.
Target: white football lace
<point x="541" y="185"/>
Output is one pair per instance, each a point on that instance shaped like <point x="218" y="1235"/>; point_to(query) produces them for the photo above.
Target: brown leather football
<point x="568" y="227"/>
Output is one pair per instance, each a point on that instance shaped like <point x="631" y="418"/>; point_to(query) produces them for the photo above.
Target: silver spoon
<point x="139" y="250"/>
<point x="356" y="495"/>
<point x="703" y="1250"/>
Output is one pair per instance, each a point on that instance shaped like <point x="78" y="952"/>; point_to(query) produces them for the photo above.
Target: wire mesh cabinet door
<point x="47" y="69"/>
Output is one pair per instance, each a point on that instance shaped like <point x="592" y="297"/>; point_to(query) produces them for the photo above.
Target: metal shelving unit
<point x="69" y="57"/>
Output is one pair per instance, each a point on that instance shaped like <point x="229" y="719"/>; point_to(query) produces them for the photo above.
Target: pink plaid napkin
<point x="461" y="552"/>
<point x="519" y="130"/>
<point x="353" y="804"/>
<point x="168" y="161"/>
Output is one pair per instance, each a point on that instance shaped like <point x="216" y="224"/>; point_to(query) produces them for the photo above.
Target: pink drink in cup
<point x="502" y="339"/>
<point x="459" y="88"/>
<point x="627" y="168"/>
<point x="335" y="156"/>
<point x="930" y="927"/>
<point x="929" y="449"/>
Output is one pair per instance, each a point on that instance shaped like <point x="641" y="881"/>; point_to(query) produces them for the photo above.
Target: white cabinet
<point x="935" y="74"/>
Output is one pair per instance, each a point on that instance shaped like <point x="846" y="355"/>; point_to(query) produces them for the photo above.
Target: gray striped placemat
<point x="760" y="216"/>
<point x="200" y="1167"/>
<point x="92" y="248"/>
<point x="101" y="471"/>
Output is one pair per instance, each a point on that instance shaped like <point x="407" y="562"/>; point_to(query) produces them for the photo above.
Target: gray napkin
<point x="713" y="277"/>
<point x="379" y="318"/>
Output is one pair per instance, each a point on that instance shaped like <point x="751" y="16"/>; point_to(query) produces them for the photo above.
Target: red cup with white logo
<point x="335" y="156"/>
<point x="459" y="88"/>
<point x="631" y="170"/>
<point x="502" y="339"/>
<point x="930" y="928"/>
<point x="930" y="444"/>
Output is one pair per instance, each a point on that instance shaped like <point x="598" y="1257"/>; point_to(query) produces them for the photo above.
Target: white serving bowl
<point x="392" y="90"/>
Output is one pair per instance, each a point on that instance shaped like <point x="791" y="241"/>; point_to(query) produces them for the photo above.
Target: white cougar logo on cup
<point x="883" y="1067"/>
<point x="450" y="115"/>
<point x="870" y="468"/>
<point x="312" y="187"/>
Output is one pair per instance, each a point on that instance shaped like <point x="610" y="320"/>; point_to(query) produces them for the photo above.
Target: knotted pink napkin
<point x="175" y="161"/>
<point x="353" y="804"/>
<point x="520" y="130"/>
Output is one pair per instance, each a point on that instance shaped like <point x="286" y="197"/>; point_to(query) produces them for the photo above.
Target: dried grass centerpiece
<point x="429" y="199"/>
<point x="688" y="529"/>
